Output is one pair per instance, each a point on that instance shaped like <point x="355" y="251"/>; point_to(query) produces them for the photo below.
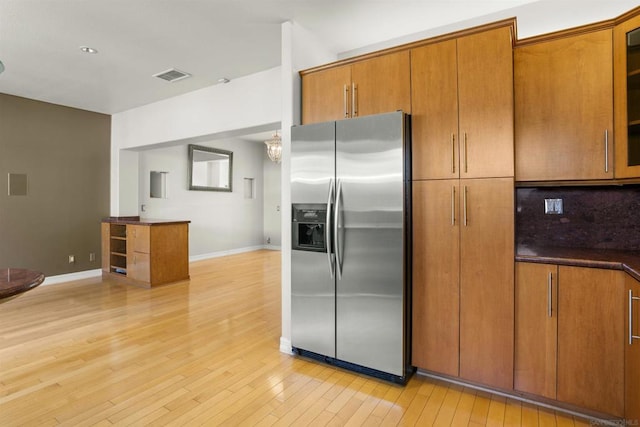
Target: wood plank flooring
<point x="206" y="352"/>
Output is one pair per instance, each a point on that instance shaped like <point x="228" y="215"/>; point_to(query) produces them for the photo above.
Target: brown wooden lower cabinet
<point x="487" y="281"/>
<point x="632" y="350"/>
<point x="463" y="260"/>
<point x="591" y="339"/>
<point x="146" y="253"/>
<point x="536" y="329"/>
<point x="584" y="365"/>
<point x="436" y="276"/>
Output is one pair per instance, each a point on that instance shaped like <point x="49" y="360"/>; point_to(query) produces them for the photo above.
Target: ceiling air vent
<point x="172" y="75"/>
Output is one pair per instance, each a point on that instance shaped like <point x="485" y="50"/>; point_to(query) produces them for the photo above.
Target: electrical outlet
<point x="553" y="207"/>
<point x="72" y="259"/>
<point x="92" y="256"/>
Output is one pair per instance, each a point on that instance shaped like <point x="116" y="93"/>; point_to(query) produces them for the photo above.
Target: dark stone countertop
<point x="628" y="261"/>
<point x="136" y="220"/>
<point x="14" y="281"/>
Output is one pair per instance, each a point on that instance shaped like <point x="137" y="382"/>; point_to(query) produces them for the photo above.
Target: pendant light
<point x="274" y="148"/>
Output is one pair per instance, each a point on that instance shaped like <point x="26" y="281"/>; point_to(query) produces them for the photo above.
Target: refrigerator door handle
<point x="336" y="225"/>
<point x="329" y="232"/>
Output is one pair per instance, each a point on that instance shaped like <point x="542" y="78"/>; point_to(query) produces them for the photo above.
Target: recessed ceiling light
<point x="87" y="49"/>
<point x="223" y="80"/>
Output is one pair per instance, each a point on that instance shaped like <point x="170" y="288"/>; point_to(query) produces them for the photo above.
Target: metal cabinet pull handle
<point x="465" y="153"/>
<point x="550" y="295"/>
<point x="336" y="225"/>
<point x="464" y="203"/>
<point x="453" y="206"/>
<point x="631" y="336"/>
<point x="606" y="150"/>
<point x="346" y="101"/>
<point x="453" y="153"/>
<point x="354" y="99"/>
<point x="328" y="230"/>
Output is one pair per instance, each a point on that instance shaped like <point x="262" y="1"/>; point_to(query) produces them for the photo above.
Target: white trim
<point x="517" y="397"/>
<point x="70" y="277"/>
<point x="225" y="253"/>
<point x="285" y="346"/>
<point x="87" y="274"/>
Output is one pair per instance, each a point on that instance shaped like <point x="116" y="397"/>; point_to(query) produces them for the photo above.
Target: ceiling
<point x="40" y="40"/>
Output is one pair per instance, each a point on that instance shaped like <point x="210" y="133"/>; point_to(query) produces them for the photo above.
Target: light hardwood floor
<point x="95" y="352"/>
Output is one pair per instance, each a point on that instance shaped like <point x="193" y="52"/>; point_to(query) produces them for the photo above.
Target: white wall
<point x="300" y="50"/>
<point x="221" y="222"/>
<point x="272" y="208"/>
<point x="246" y="105"/>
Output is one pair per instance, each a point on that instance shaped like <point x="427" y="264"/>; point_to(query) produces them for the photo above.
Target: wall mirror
<point x="210" y="169"/>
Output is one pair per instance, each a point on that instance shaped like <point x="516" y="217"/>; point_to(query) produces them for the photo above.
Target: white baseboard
<point x="225" y="253"/>
<point x="285" y="346"/>
<point x="70" y="277"/>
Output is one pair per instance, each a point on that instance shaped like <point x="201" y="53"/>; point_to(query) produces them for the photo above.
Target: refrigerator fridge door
<point x="312" y="276"/>
<point x="370" y="303"/>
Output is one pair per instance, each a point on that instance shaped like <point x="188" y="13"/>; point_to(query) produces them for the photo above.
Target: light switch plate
<point x="553" y="206"/>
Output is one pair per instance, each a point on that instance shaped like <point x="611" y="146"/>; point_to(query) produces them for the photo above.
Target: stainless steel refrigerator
<point x="350" y="258"/>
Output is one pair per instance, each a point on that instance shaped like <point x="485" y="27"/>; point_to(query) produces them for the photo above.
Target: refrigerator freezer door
<point x="370" y="290"/>
<point x="312" y="162"/>
<point x="312" y="285"/>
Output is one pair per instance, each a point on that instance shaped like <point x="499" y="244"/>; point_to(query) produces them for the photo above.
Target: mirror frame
<point x="193" y="148"/>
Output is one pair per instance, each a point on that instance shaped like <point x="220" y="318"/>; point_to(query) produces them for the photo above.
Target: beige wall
<point x="65" y="153"/>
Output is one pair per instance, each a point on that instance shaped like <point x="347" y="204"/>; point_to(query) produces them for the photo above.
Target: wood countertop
<point x="136" y="220"/>
<point x="628" y="261"/>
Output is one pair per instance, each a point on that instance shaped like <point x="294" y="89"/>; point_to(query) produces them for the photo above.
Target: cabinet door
<point x="436" y="254"/>
<point x="485" y="103"/>
<point x="626" y="68"/>
<point x="326" y="95"/>
<point x="591" y="303"/>
<point x="434" y="106"/>
<point x="139" y="266"/>
<point x="564" y="108"/>
<point x="536" y="323"/>
<point x="381" y="85"/>
<point x="169" y="253"/>
<point x="487" y="281"/>
<point x="138" y="238"/>
<point x="632" y="352"/>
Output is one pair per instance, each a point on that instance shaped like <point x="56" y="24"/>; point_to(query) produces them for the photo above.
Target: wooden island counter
<point x="145" y="252"/>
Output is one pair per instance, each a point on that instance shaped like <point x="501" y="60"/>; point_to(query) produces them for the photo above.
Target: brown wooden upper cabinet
<point x="462" y="107"/>
<point x="371" y="86"/>
<point x="564" y="108"/>
<point x="626" y="38"/>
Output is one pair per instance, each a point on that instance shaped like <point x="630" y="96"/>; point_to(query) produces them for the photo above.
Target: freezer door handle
<point x="336" y="225"/>
<point x="328" y="231"/>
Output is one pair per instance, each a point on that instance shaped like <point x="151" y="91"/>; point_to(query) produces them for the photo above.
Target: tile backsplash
<point x="593" y="217"/>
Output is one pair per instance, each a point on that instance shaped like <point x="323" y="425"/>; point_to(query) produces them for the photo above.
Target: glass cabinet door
<point x="626" y="68"/>
<point x="633" y="97"/>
